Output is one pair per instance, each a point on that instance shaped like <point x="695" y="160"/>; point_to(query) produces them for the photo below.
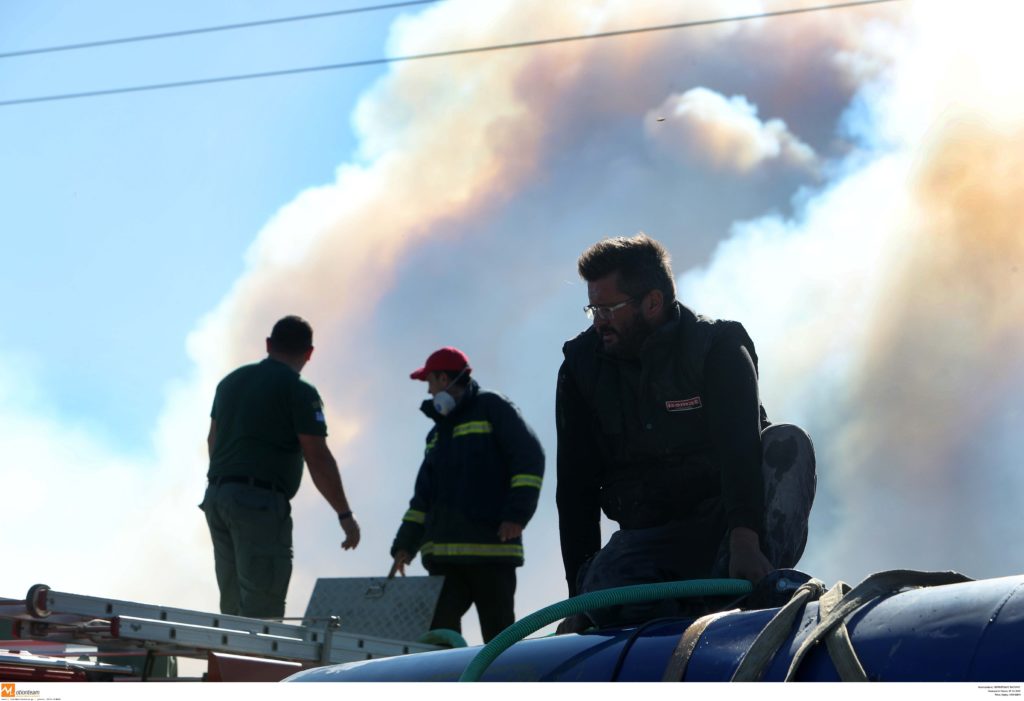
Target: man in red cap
<point x="476" y="490"/>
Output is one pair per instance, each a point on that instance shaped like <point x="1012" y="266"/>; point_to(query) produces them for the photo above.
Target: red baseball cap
<point x="446" y="359"/>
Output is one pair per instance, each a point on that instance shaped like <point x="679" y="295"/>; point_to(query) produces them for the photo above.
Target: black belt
<point x="251" y="481"/>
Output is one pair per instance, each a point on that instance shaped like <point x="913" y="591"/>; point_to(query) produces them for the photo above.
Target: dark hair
<point x="643" y="265"/>
<point x="462" y="381"/>
<point x="291" y="335"/>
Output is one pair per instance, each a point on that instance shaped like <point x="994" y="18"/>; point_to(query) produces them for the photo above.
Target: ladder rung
<point x="95" y="607"/>
<point x="209" y="638"/>
<point x="115" y="623"/>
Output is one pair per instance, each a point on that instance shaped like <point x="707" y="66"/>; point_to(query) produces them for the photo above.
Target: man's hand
<point x="577" y="623"/>
<point x="509" y="531"/>
<point x="351" y="529"/>
<point x="402" y="558"/>
<point x="746" y="561"/>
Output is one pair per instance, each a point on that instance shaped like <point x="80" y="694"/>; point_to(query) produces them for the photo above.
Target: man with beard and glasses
<point x="660" y="425"/>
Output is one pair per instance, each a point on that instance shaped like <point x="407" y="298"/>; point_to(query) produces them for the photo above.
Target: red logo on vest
<point x="683" y="404"/>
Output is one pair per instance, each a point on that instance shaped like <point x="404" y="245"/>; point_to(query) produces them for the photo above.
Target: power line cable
<point x="435" y="54"/>
<point x="208" y="30"/>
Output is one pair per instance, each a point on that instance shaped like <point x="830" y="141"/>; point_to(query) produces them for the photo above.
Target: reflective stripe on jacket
<point x="482" y="466"/>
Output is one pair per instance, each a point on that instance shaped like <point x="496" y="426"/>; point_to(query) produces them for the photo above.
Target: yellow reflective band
<point x="472" y="427"/>
<point x="527" y="480"/>
<point x="473" y="549"/>
<point x="430" y="444"/>
<point x="414" y="516"/>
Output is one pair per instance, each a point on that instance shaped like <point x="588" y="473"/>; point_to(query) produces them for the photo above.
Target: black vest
<point x="649" y="420"/>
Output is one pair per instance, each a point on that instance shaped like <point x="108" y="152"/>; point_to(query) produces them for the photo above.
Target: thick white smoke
<point x="892" y="306"/>
<point x="725" y="132"/>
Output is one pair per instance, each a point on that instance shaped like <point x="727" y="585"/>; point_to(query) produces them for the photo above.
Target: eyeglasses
<point x="600" y="311"/>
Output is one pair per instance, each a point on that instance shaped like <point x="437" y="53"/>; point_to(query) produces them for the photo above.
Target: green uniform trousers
<point x="251" y="529"/>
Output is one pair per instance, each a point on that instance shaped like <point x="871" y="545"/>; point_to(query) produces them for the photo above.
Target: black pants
<point x="491" y="587"/>
<point x="698" y="548"/>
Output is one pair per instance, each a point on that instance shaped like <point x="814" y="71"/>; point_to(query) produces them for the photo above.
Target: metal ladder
<point x="125" y="625"/>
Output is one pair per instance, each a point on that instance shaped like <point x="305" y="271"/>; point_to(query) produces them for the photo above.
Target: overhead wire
<point x="209" y="30"/>
<point x="438" y="54"/>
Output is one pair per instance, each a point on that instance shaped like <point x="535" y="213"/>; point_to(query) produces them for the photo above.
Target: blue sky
<point x="126" y="215"/>
<point x="844" y="183"/>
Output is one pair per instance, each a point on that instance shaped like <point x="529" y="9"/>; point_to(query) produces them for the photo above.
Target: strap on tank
<point x="676" y="669"/>
<point x="834" y="608"/>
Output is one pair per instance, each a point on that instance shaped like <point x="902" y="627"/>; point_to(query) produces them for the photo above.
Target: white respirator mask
<point x="444" y="402"/>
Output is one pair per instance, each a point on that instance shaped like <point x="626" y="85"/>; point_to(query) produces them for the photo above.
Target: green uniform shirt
<point x="260" y="410"/>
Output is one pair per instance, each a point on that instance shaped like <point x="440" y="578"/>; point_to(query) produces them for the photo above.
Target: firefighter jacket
<point x="482" y="466"/>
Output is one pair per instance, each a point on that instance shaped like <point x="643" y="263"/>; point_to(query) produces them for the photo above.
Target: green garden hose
<point x="634" y="594"/>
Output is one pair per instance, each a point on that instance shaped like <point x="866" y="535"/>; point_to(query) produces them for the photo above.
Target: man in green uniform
<point x="265" y="421"/>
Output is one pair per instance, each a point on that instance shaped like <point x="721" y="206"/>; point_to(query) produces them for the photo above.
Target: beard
<point x="630" y="339"/>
